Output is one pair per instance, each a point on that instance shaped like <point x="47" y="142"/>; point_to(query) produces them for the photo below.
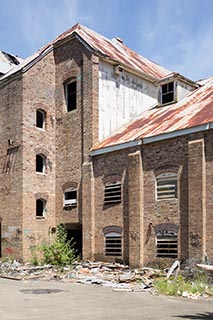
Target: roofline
<point x="178" y="133"/>
<point x="160" y="137"/>
<point x="116" y="147"/>
<point x="175" y="75"/>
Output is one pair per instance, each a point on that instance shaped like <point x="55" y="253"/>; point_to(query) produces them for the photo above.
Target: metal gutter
<point x="178" y="133"/>
<point x="116" y="147"/>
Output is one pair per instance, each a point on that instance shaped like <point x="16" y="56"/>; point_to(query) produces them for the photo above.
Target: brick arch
<point x="166" y="228"/>
<point x="41" y="195"/>
<point x="70" y="185"/>
<point x="41" y="151"/>
<point x="41" y="106"/>
<point x="112" y="229"/>
<point x="167" y="168"/>
<point x="113" y="178"/>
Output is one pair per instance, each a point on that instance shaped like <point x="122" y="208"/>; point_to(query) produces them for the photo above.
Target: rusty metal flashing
<point x="177" y="76"/>
<point x="116" y="147"/>
<point x="174" y="134"/>
<point x="168" y="135"/>
<point x="38" y="58"/>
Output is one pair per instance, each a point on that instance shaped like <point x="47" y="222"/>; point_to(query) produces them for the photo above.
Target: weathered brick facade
<point x="65" y="144"/>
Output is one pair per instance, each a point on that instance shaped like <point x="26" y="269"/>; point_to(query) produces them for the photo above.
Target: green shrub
<point x="59" y="251"/>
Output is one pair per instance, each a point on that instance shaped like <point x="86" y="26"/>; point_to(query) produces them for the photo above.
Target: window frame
<point x="111" y="239"/>
<point x="166" y="183"/>
<point x="68" y="95"/>
<point x="167" y="245"/>
<point x="44" y="203"/>
<point x="168" y="92"/>
<point x="43" y="113"/>
<point x="72" y="202"/>
<point x="44" y="163"/>
<point x="112" y="190"/>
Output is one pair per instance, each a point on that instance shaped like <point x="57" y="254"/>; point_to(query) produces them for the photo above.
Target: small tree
<point x="59" y="251"/>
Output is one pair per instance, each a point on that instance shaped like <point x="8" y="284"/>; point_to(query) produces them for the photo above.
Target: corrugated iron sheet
<point x="194" y="110"/>
<point x="115" y="50"/>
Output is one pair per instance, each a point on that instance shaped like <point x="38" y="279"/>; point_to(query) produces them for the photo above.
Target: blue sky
<point x="177" y="34"/>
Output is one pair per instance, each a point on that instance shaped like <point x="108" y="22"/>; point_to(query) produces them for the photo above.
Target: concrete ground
<point x="21" y="300"/>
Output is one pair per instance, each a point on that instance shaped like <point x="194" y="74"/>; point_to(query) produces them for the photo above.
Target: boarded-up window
<point x="166" y="185"/>
<point x="167" y="245"/>
<point x="112" y="193"/>
<point x="70" y="198"/>
<point x="113" y="244"/>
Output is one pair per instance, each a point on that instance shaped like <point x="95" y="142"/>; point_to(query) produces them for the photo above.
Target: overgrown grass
<point x="179" y="286"/>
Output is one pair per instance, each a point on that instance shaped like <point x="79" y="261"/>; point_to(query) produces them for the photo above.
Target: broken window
<point x="167" y="245"/>
<point x="112" y="193"/>
<point x="70" y="198"/>
<point x="71" y="98"/>
<point x="40" y="163"/>
<point x="113" y="244"/>
<point x="166" y="185"/>
<point x="167" y="93"/>
<point x="40" y="208"/>
<point x="40" y="119"/>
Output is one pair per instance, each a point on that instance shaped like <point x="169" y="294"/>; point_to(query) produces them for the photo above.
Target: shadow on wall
<point x="198" y="316"/>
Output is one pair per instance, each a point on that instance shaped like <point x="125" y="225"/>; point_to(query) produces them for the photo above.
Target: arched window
<point x="40" y="118"/>
<point x="40" y="208"/>
<point x="166" y="186"/>
<point x="112" y="241"/>
<point x="113" y="244"/>
<point x="40" y="163"/>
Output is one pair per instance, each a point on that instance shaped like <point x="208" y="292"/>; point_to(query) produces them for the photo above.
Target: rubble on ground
<point x="117" y="276"/>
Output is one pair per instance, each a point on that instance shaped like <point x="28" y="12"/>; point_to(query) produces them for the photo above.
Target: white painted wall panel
<point x="121" y="98"/>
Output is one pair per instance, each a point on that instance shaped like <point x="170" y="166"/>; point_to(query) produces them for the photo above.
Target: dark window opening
<point x="71" y="96"/>
<point x="40" y="163"/>
<point x="70" y="198"/>
<point x="40" y="207"/>
<point x="112" y="193"/>
<point x="113" y="244"/>
<point x="167" y="246"/>
<point x="167" y="94"/>
<point x="40" y="119"/>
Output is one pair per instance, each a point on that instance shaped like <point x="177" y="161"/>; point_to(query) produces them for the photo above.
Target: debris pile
<point x="115" y="275"/>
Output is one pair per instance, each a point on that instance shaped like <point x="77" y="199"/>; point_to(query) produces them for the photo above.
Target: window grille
<point x="167" y="246"/>
<point x="113" y="244"/>
<point x="112" y="193"/>
<point x="166" y="184"/>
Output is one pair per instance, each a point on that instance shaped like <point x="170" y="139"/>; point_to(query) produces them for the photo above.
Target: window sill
<point x="40" y="218"/>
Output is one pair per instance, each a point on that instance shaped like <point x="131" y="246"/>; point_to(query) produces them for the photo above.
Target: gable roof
<point x="113" y="50"/>
<point x="194" y="111"/>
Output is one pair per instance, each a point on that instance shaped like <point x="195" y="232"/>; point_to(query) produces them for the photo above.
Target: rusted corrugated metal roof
<point x="194" y="110"/>
<point x="110" y="49"/>
<point x="115" y="50"/>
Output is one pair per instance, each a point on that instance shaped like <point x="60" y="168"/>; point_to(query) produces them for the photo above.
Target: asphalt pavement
<point x="51" y="300"/>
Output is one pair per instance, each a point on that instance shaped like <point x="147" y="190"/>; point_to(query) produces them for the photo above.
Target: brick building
<point x="112" y="145"/>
